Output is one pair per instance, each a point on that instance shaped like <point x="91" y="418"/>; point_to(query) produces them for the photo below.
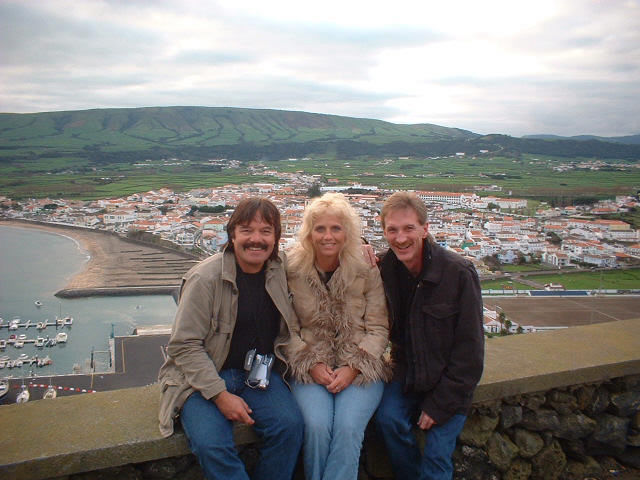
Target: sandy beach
<point x="116" y="262"/>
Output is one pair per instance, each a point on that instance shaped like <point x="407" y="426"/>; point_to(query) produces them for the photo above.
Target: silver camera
<point x="259" y="368"/>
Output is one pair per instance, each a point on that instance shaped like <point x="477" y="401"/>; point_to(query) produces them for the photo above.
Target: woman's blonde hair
<point x="303" y="254"/>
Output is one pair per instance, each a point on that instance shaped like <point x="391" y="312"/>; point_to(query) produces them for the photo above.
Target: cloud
<point x="497" y="66"/>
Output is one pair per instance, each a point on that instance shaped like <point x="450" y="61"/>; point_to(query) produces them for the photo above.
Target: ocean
<point x="34" y="265"/>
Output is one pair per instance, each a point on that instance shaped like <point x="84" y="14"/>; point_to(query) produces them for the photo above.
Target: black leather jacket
<point x="445" y="329"/>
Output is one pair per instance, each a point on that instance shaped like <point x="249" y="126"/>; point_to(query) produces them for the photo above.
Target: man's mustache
<point x="261" y="245"/>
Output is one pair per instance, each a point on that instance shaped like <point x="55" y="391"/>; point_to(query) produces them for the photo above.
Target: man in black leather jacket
<point x="437" y="340"/>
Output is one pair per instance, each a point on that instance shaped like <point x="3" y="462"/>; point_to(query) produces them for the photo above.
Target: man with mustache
<point x="230" y="304"/>
<point x="437" y="339"/>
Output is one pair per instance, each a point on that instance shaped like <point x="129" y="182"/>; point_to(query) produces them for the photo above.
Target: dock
<point x="17" y="323"/>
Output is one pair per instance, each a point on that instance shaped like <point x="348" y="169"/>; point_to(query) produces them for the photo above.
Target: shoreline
<point x="114" y="262"/>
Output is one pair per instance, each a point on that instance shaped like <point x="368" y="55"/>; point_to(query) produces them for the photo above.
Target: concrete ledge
<point x="88" y="432"/>
<point x="536" y="362"/>
<point x="81" y="433"/>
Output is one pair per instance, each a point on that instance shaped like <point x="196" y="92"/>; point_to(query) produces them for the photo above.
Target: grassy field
<point x="504" y="285"/>
<point x="74" y="177"/>
<point x="621" y="279"/>
<point x="536" y="267"/>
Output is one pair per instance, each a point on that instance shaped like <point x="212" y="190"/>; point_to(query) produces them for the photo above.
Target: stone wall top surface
<point x="533" y="362"/>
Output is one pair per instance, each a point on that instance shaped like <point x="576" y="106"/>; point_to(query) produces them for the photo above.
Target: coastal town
<point x="476" y="224"/>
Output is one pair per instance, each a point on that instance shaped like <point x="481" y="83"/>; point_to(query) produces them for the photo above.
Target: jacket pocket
<point x="440" y="322"/>
<point x="171" y="400"/>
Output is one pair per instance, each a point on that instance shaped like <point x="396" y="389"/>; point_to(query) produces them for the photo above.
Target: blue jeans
<point x="334" y="427"/>
<point x="278" y="423"/>
<point x="395" y="420"/>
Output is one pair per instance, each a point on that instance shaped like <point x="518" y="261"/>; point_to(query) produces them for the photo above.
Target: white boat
<point x="61" y="337"/>
<point x="22" y="337"/>
<point x="14" y="324"/>
<point x="19" y="344"/>
<point x="4" y="388"/>
<point x="18" y="363"/>
<point x="44" y="361"/>
<point x="39" y="342"/>
<point x="40" y="326"/>
<point x="3" y="363"/>
<point x="3" y="344"/>
<point x="23" y="396"/>
<point x="68" y="321"/>
<point x="23" y="356"/>
<point x="38" y="303"/>
<point x="50" y="393"/>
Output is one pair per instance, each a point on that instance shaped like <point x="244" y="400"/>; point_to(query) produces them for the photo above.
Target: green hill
<point x="199" y="129"/>
<point x="132" y="134"/>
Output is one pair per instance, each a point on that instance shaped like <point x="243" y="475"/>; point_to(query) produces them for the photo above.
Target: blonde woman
<point x="337" y="358"/>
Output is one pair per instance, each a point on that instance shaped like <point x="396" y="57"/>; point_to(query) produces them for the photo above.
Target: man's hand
<point x="322" y="374"/>
<point x="234" y="408"/>
<point x="425" y="422"/>
<point x="344" y="376"/>
<point x="369" y="255"/>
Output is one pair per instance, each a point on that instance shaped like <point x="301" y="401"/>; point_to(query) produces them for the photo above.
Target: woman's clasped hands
<point x="334" y="380"/>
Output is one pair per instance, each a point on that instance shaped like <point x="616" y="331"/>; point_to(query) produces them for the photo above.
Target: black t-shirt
<point x="400" y="332"/>
<point x="258" y="320"/>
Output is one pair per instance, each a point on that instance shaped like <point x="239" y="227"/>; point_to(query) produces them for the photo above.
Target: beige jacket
<point x="344" y="323"/>
<point x="202" y="329"/>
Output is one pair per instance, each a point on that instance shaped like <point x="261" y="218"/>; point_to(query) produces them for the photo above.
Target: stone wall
<point x="583" y="431"/>
<point x="550" y="405"/>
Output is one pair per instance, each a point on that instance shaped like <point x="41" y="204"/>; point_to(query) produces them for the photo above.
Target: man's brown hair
<point x="246" y="211"/>
<point x="401" y="200"/>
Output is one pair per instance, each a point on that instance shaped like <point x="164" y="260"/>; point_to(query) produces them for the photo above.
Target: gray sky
<point x="517" y="67"/>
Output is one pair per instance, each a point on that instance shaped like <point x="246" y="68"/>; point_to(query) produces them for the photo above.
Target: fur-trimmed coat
<point x="342" y="323"/>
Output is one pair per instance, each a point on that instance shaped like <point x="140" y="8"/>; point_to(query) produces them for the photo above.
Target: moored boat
<point x="61" y="337"/>
<point x="38" y="303"/>
<point x="44" y="361"/>
<point x="4" y="388"/>
<point x="50" y="393"/>
<point x="23" y="396"/>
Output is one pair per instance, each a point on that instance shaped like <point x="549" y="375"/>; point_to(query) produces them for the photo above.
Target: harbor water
<point x="34" y="265"/>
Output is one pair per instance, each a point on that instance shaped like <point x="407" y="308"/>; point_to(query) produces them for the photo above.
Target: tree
<point x="502" y="318"/>
<point x="314" y="190"/>
<point x="492" y="262"/>
<point x="508" y="324"/>
<point x="554" y="238"/>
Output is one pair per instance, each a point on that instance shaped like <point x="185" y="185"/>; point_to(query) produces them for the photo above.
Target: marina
<point x="135" y="361"/>
<point x="19" y="340"/>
